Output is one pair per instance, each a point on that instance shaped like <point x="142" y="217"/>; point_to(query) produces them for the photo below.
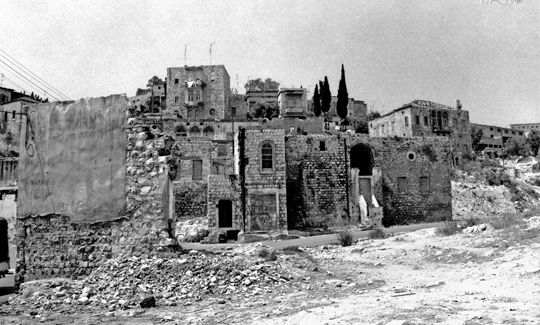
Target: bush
<point x="345" y="237"/>
<point x="292" y="249"/>
<point x="200" y="235"/>
<point x="377" y="234"/>
<point x="267" y="254"/>
<point x="450" y="228"/>
<point x="469" y="222"/>
<point x="505" y="221"/>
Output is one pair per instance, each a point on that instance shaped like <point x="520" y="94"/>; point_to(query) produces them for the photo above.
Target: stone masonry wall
<point x="52" y="245"/>
<point x="262" y="185"/>
<point x="316" y="179"/>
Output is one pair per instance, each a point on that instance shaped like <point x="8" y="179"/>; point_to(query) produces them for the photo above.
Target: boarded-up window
<point x="267" y="157"/>
<point x="424" y="185"/>
<point x="197" y="170"/>
<point x="402" y="184"/>
<point x="417" y="119"/>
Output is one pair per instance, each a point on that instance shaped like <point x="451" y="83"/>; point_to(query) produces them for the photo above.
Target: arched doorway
<point x="361" y="172"/>
<point x="362" y="158"/>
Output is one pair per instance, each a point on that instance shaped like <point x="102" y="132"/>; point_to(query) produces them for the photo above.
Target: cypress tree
<point x="342" y="96"/>
<point x="326" y="96"/>
<point x="316" y="102"/>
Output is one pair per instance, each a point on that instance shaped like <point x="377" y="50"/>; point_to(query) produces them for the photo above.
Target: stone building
<point x="421" y="118"/>
<point x="260" y="96"/>
<point x="5" y="94"/>
<point x="494" y="137"/>
<point x="292" y="102"/>
<point x="198" y="92"/>
<point x="527" y="127"/>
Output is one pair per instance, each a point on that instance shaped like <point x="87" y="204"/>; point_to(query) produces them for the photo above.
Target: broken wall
<point x="52" y="244"/>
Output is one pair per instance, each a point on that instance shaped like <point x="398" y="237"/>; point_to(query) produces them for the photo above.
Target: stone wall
<point x="52" y="245"/>
<point x="317" y="176"/>
<point x="261" y="184"/>
<point x="221" y="188"/>
<point x="190" y="200"/>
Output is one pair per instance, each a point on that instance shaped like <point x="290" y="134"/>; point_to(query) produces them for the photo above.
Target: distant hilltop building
<point x="527" y="127"/>
<point x="421" y="118"/>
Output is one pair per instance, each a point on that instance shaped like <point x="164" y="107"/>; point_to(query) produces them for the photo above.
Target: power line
<point x="38" y="87"/>
<point x="12" y="82"/>
<point x="43" y="82"/>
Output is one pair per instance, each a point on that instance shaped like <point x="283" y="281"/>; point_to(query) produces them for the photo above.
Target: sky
<point x="484" y="53"/>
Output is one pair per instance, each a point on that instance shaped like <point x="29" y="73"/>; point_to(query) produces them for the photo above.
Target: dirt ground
<point x="490" y="277"/>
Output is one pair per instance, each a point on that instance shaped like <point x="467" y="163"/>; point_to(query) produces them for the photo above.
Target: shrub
<point x="377" y="234"/>
<point x="345" y="237"/>
<point x="469" y="222"/>
<point x="505" y="221"/>
<point x="292" y="249"/>
<point x="450" y="228"/>
<point x="267" y="254"/>
<point x="200" y="235"/>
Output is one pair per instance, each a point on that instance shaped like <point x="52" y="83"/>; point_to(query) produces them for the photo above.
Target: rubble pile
<point x="471" y="199"/>
<point x="124" y="282"/>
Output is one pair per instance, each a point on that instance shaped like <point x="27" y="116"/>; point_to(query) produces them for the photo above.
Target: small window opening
<point x="322" y="146"/>
<point x="402" y="184"/>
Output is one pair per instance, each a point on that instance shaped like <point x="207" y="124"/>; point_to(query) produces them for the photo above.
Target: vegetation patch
<point x="345" y="237"/>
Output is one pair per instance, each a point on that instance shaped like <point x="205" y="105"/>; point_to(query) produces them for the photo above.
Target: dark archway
<point x="362" y="158"/>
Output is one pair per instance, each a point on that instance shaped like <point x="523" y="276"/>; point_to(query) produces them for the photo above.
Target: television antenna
<point x="211" y="52"/>
<point x="185" y="53"/>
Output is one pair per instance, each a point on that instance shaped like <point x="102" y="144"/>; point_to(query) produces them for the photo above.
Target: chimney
<point x="458" y="104"/>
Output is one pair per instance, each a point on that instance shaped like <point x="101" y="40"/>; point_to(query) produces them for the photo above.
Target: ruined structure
<point x="422" y="118"/>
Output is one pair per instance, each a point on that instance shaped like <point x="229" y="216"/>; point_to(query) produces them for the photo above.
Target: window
<point x="406" y="120"/>
<point x="513" y="132"/>
<point x="322" y="146"/>
<point x="505" y="131"/>
<point x="424" y="185"/>
<point x="194" y="132"/>
<point x="491" y="129"/>
<point x="212" y="76"/>
<point x="13" y="114"/>
<point x="425" y="120"/>
<point x="190" y="97"/>
<point x="520" y="133"/>
<point x="233" y="111"/>
<point x="208" y="132"/>
<point x="176" y="81"/>
<point x="181" y="131"/>
<point x="445" y="119"/>
<point x="433" y="118"/>
<point x="197" y="170"/>
<point x="176" y="99"/>
<point x="402" y="184"/>
<point x="417" y="119"/>
<point x="498" y="130"/>
<point x="199" y="95"/>
<point x="212" y="112"/>
<point x="267" y="157"/>
<point x="189" y="113"/>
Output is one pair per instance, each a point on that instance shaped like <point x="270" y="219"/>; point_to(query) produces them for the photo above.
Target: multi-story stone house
<point x="198" y="92"/>
<point x="494" y="137"/>
<point x="421" y="118"/>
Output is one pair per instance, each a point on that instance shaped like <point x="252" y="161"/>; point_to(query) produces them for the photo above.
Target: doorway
<point x="225" y="214"/>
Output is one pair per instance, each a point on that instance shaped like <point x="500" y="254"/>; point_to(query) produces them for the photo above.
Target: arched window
<point x="267" y="157"/>
<point x="194" y="132"/>
<point x="197" y="113"/>
<point x="198" y="95"/>
<point x="445" y="119"/>
<point x="181" y="131"/>
<point x="208" y="132"/>
<point x="190" y="113"/>
<point x="433" y="118"/>
<point x="439" y="119"/>
<point x="212" y="112"/>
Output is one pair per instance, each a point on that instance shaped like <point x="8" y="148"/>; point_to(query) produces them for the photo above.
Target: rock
<point x="193" y="252"/>
<point x="148" y="302"/>
<point x="83" y="301"/>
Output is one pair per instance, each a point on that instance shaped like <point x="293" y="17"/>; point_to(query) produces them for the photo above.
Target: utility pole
<point x="211" y="52"/>
<point x="185" y="53"/>
<point x="237" y="83"/>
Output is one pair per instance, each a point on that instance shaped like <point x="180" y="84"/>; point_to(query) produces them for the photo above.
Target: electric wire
<point x="44" y="91"/>
<point x="43" y="82"/>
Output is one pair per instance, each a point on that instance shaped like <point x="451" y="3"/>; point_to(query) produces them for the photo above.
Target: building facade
<point x="422" y="118"/>
<point x="198" y="92"/>
<point x="292" y="102"/>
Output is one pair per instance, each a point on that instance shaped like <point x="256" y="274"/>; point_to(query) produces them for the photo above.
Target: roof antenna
<point x="211" y="52"/>
<point x="185" y="53"/>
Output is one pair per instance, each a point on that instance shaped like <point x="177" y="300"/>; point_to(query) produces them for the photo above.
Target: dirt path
<point x="416" y="278"/>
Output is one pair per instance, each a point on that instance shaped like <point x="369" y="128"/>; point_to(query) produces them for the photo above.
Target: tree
<point x="142" y="91"/>
<point x="373" y="115"/>
<point x="326" y="96"/>
<point x="534" y="142"/>
<point x="266" y="110"/>
<point x="514" y="147"/>
<point x="259" y="85"/>
<point x="342" y="96"/>
<point x="155" y="80"/>
<point x="362" y="127"/>
<point x="476" y="138"/>
<point x="316" y="102"/>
